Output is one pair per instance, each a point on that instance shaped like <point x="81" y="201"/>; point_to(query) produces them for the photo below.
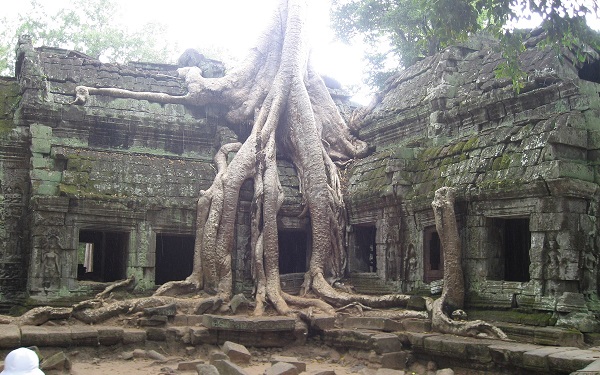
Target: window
<point x="292" y="251"/>
<point x="102" y="255"/>
<point x="174" y="258"/>
<point x="433" y="257"/>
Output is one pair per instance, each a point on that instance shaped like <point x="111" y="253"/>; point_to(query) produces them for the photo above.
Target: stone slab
<point x="300" y="365"/>
<point x="229" y="368"/>
<point x="46" y="336"/>
<point x="242" y="323"/>
<point x="84" y="336"/>
<point x="510" y="354"/>
<point x="237" y="353"/>
<point x="133" y="336"/>
<point x="373" y="323"/>
<point x="108" y="336"/>
<point x="10" y="336"/>
<point x="385" y="343"/>
<point x="537" y="359"/>
<point x="282" y="368"/>
<point x="572" y="360"/>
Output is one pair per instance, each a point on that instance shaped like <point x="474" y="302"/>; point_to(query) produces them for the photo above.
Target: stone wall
<point x="528" y="158"/>
<point x="14" y="197"/>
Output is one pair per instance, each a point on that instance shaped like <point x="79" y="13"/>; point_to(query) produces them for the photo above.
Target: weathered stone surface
<point x="256" y="324"/>
<point x="282" y="368"/>
<point x="153" y="354"/>
<point x="189" y="365"/>
<point x="109" y="335"/>
<point x="10" y="336"/>
<point x="572" y="360"/>
<point x="206" y="369"/>
<point x="237" y="353"/>
<point x="46" y="336"/>
<point x="226" y="367"/>
<point x="395" y="360"/>
<point x="537" y="359"/>
<point x="58" y="361"/>
<point x="84" y="336"/>
<point x="156" y="334"/>
<point x="217" y="355"/>
<point x="374" y="323"/>
<point x="386" y="343"/>
<point x="300" y="365"/>
<point x="239" y="302"/>
<point x="133" y="336"/>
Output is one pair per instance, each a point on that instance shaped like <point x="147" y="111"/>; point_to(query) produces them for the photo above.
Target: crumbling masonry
<point x="93" y="194"/>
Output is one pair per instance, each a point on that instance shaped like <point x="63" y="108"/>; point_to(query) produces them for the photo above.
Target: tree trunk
<point x="453" y="294"/>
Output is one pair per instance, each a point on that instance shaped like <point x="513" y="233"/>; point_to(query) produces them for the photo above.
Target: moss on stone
<point x="470" y="144"/>
<point x="531" y="318"/>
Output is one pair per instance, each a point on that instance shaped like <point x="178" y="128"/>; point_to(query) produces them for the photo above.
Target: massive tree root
<point x="293" y="114"/>
<point x="453" y="294"/>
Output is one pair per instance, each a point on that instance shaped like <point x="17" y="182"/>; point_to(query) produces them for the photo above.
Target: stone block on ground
<point x="109" y="336"/>
<point x="207" y="369"/>
<point x="300" y="365"/>
<point x="282" y="368"/>
<point x="229" y="368"/>
<point x="153" y="354"/>
<point x="373" y="323"/>
<point x="156" y="334"/>
<point x="217" y="355"/>
<point x="253" y="324"/>
<point x="10" y="336"/>
<point x="58" y="361"/>
<point x="322" y="372"/>
<point x="510" y="354"/>
<point x="322" y="322"/>
<point x="84" y="336"/>
<point x="395" y="360"/>
<point x="572" y="360"/>
<point x="201" y="335"/>
<point x="237" y="353"/>
<point x="537" y="359"/>
<point x="592" y="368"/>
<point x="239" y="303"/>
<point x="133" y="336"/>
<point x="386" y="343"/>
<point x="45" y="336"/>
<point x="189" y="365"/>
<point x="389" y="371"/>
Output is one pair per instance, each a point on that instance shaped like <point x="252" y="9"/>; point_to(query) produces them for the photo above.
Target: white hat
<point x="22" y="361"/>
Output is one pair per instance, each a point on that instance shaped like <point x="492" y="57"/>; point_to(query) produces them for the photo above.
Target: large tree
<point x="277" y="90"/>
<point x="413" y="29"/>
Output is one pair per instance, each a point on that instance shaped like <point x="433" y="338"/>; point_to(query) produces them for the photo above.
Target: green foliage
<point x="414" y="29"/>
<point x="88" y="26"/>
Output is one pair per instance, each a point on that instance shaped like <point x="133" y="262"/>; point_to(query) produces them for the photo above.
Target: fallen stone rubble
<point x="367" y="345"/>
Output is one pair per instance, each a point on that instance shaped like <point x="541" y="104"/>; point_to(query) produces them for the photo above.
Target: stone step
<point x="555" y="336"/>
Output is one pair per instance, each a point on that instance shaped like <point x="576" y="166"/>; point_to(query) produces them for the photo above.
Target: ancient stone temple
<point x="96" y="193"/>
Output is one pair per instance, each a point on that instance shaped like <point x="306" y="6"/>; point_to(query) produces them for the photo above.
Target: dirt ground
<point x="317" y="357"/>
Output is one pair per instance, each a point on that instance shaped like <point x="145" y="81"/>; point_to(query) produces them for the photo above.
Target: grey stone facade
<point x="125" y="174"/>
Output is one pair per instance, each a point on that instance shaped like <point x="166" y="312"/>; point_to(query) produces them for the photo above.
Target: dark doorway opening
<point x="292" y="251"/>
<point x="509" y="242"/>
<point x="433" y="257"/>
<point x="517" y="241"/>
<point x="365" y="248"/>
<point x="102" y="255"/>
<point x="174" y="257"/>
<point x="590" y="72"/>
